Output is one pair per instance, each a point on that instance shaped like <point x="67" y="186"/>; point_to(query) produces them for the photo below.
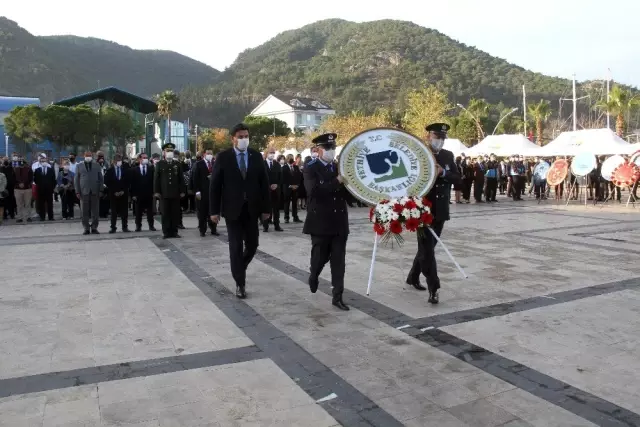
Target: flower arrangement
<point x="391" y="218"/>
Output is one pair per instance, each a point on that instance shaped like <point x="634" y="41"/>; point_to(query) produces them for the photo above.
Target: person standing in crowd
<point x="202" y="171"/>
<point x="478" y="179"/>
<point x="8" y="169"/>
<point x="239" y="192"/>
<point x="188" y="202"/>
<point x="23" y="191"/>
<point x="117" y="181"/>
<point x="45" y="181"/>
<point x="492" y="175"/>
<point x="274" y="172"/>
<point x="468" y="174"/>
<point x="142" y="192"/>
<point x="291" y="180"/>
<point x="327" y="218"/>
<point x="518" y="172"/>
<point x="89" y="184"/>
<point x="169" y="188"/>
<point x="66" y="191"/>
<point x="179" y="159"/>
<point x="447" y="174"/>
<point x="503" y="177"/>
<point x="3" y="195"/>
<point x="104" y="196"/>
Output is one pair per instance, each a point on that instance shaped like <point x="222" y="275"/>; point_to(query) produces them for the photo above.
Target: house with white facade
<point x="297" y="112"/>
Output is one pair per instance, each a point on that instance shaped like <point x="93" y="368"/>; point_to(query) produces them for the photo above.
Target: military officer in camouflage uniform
<point x="439" y="196"/>
<point x="327" y="219"/>
<point x="169" y="188"/>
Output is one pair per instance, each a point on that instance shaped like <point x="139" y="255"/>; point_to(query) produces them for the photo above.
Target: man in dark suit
<point x="45" y="179"/>
<point x="170" y="188"/>
<point x="327" y="218"/>
<point x="274" y="172"/>
<point x="201" y="177"/>
<point x="439" y="196"/>
<point x="117" y="181"/>
<point x="239" y="191"/>
<point x="291" y="180"/>
<point x="142" y="191"/>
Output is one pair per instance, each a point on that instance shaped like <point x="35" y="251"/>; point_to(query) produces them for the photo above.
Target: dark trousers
<point x="330" y="249"/>
<point x="477" y="189"/>
<point x="119" y="208"/>
<point x="517" y="186"/>
<point x="144" y="206"/>
<point x="502" y="184"/>
<point x="466" y="188"/>
<point x="290" y="199"/>
<point x="204" y="218"/>
<point x="425" y="260"/>
<point x="68" y="199"/>
<point x="171" y="216"/>
<point x="44" y="204"/>
<point x="492" y="186"/>
<point x="275" y="210"/>
<point x="10" y="204"/>
<point x="243" y="244"/>
<point x="104" y="207"/>
<point x="540" y="189"/>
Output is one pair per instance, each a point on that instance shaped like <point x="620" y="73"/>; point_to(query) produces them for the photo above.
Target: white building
<point x="297" y="112"/>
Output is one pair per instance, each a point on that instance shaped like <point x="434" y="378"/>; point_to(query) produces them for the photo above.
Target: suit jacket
<point x="141" y="186"/>
<point x="87" y="181"/>
<point x="228" y="191"/>
<point x="290" y="177"/>
<point x="274" y="173"/>
<point x="115" y="185"/>
<point x="201" y="178"/>
<point x="440" y="194"/>
<point x="326" y="204"/>
<point x="46" y="181"/>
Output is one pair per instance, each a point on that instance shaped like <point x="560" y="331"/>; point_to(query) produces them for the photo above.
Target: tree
<point x="119" y="128"/>
<point x="261" y="128"/>
<point x="350" y="125"/>
<point x="478" y="111"/>
<point x="215" y="139"/>
<point x="464" y="129"/>
<point x="86" y="128"/>
<point x="540" y="113"/>
<point x="425" y="106"/>
<point x="57" y="124"/>
<point x="168" y="103"/>
<point x="621" y="103"/>
<point x="24" y="123"/>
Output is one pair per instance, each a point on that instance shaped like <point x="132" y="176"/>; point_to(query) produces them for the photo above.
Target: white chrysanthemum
<point x="394" y="216"/>
<point x="404" y="200"/>
<point x="415" y="213"/>
<point x="418" y="202"/>
<point x="406" y="213"/>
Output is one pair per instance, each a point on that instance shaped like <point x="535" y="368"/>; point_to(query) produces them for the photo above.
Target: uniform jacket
<point x="168" y="180"/>
<point x="228" y="191"/>
<point x="88" y="181"/>
<point x="440" y="194"/>
<point x="326" y="204"/>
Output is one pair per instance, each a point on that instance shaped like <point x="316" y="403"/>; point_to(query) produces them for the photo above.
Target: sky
<point x="554" y="37"/>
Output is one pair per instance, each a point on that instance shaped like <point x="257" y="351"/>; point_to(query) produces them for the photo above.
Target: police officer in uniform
<point x="447" y="175"/>
<point x="169" y="187"/>
<point x="327" y="219"/>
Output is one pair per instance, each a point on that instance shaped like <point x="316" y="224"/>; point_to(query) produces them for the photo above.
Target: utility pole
<point x="608" y="115"/>
<point x="524" y="109"/>
<point x="196" y="138"/>
<point x="575" y="106"/>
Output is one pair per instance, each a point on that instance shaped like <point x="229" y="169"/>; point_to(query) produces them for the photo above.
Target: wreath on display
<point x="391" y="218"/>
<point x="625" y="175"/>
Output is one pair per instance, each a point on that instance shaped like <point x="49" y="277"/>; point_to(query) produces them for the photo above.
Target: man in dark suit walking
<point x="291" y="180"/>
<point x="45" y="179"/>
<point x="142" y="192"/>
<point x="274" y="171"/>
<point x="439" y="196"/>
<point x="201" y="177"/>
<point x="239" y="191"/>
<point x="117" y="181"/>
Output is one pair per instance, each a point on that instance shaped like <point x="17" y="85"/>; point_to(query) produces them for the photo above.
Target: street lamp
<point x="196" y="137"/>
<point x="6" y="144"/>
<point x="473" y="117"/>
<point x="504" y="117"/>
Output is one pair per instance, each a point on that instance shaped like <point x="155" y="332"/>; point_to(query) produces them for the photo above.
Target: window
<point x="298" y="118"/>
<point x="318" y="118"/>
<point x="309" y="118"/>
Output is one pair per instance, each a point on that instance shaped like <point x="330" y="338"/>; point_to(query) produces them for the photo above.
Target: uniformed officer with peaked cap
<point x="327" y="219"/>
<point x="169" y="187"/>
<point x="439" y="196"/>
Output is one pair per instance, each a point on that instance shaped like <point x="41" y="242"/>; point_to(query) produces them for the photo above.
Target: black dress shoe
<point x="341" y="305"/>
<point x="240" y="292"/>
<point x="433" y="297"/>
<point x="94" y="231"/>
<point x="313" y="284"/>
<point x="202" y="234"/>
<point x="86" y="232"/>
<point x="126" y="230"/>
<point x="152" y="228"/>
<point x="113" y="230"/>
<point x="215" y="233"/>
<point x="278" y="228"/>
<point x="417" y="285"/>
<point x="181" y="227"/>
<point x="296" y="220"/>
<point x="177" y="236"/>
<point x="138" y="229"/>
<point x="265" y="229"/>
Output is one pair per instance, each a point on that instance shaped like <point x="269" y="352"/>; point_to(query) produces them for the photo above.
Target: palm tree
<point x="620" y="102"/>
<point x="540" y="112"/>
<point x="478" y="109"/>
<point x="167" y="102"/>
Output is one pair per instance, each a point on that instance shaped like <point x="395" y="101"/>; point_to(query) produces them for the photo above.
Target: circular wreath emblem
<point x="386" y="163"/>
<point x="557" y="172"/>
<point x="625" y="175"/>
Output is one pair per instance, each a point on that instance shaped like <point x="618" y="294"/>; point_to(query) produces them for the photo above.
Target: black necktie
<point x="88" y="166"/>
<point x="243" y="166"/>
<point x="144" y="171"/>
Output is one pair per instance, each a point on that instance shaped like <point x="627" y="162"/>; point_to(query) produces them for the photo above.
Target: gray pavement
<point x="133" y="330"/>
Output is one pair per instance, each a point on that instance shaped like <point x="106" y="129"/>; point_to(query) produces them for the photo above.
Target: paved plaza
<point x="132" y="330"/>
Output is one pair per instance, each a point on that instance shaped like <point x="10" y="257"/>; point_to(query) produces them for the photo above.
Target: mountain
<point x="57" y="67"/>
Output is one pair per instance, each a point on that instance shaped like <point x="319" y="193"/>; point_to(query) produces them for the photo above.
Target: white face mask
<point x="118" y="164"/>
<point x="243" y="143"/>
<point x="271" y="156"/>
<point x="328" y="155"/>
<point x="169" y="155"/>
<point x="437" y="144"/>
<point x="314" y="155"/>
<point x="145" y="161"/>
<point x="88" y="159"/>
<point x="209" y="157"/>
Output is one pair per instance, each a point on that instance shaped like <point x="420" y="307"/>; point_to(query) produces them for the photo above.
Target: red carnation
<point x="378" y="228"/>
<point x="398" y="208"/>
<point x="395" y="227"/>
<point x="412" y="224"/>
<point x="372" y="212"/>
<point x="426" y="202"/>
<point x="426" y="218"/>
<point x="410" y="204"/>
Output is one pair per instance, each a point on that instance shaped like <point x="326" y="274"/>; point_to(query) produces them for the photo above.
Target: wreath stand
<point x="581" y="189"/>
